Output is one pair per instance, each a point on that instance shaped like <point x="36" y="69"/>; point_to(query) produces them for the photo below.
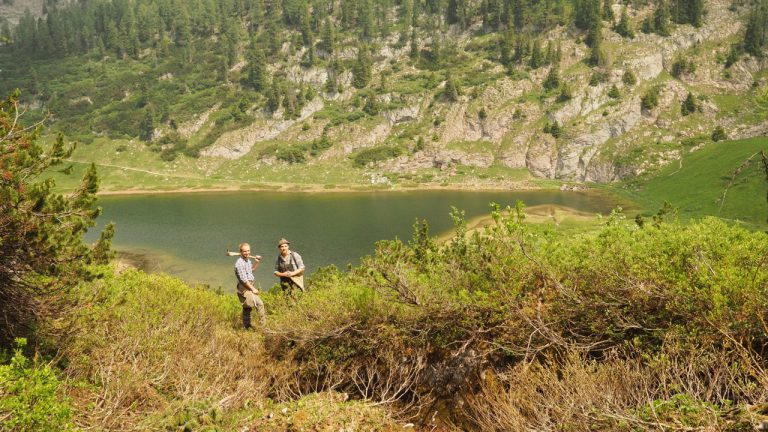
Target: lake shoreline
<point x="317" y="188"/>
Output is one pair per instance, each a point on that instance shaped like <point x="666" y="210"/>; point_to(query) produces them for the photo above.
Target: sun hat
<point x="282" y="241"/>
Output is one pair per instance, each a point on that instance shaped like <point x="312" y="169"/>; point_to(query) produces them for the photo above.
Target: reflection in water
<point x="187" y="235"/>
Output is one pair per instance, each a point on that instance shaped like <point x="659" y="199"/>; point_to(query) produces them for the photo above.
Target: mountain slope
<point x="470" y="102"/>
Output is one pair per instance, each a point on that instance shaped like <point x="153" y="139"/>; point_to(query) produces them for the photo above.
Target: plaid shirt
<point x="243" y="270"/>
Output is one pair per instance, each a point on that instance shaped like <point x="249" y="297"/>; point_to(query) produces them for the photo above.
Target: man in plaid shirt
<point x="246" y="291"/>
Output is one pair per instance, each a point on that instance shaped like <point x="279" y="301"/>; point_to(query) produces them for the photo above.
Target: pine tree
<point x="274" y="96"/>
<point x="689" y="105"/>
<point x="552" y="81"/>
<point x="594" y="35"/>
<point x="256" y="76"/>
<point x="661" y="19"/>
<point x="519" y="13"/>
<point x="623" y="27"/>
<point x="147" y="126"/>
<point x="608" y="10"/>
<point x="451" y="90"/>
<point x="41" y="248"/>
<point x="597" y="55"/>
<point x="614" y="92"/>
<point x="362" y="70"/>
<point x="756" y="33"/>
<point x="537" y="59"/>
<point x="413" y="52"/>
<point x="695" y="12"/>
<point x="328" y="43"/>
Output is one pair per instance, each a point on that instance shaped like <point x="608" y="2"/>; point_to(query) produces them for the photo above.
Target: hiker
<point x="289" y="268"/>
<point x="246" y="291"/>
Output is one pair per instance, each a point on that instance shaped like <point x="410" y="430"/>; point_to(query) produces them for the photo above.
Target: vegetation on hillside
<point x="151" y="69"/>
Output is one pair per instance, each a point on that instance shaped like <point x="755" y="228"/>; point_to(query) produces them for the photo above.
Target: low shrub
<point x="30" y="395"/>
<point x="376" y="154"/>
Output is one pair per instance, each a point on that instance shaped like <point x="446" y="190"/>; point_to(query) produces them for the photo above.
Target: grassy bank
<point x="724" y="179"/>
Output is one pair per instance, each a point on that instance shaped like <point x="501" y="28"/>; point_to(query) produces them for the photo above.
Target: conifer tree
<point x="519" y="13"/>
<point x="537" y="59"/>
<point x="629" y="77"/>
<point x="756" y="33"/>
<point x="362" y="72"/>
<point x="695" y="11"/>
<point x="41" y="248"/>
<point x="608" y="10"/>
<point x="147" y="126"/>
<point x="623" y="27"/>
<point x="274" y="95"/>
<point x="413" y="52"/>
<point x="689" y="105"/>
<point x="451" y="90"/>
<point x="328" y="43"/>
<point x="552" y="81"/>
<point x="661" y="18"/>
<point x="257" y="70"/>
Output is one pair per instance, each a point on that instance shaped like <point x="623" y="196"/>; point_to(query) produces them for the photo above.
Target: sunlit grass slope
<point x="724" y="179"/>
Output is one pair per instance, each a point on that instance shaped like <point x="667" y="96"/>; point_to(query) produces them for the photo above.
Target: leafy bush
<point x="682" y="66"/>
<point x="553" y="129"/>
<point x="650" y="99"/>
<point x="614" y="92"/>
<point x="291" y="154"/>
<point x="376" y="154"/>
<point x="563" y="313"/>
<point x="29" y="396"/>
<point x="718" y="134"/>
<point x="629" y="77"/>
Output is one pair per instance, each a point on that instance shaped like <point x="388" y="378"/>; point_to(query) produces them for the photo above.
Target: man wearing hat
<point x="289" y="267"/>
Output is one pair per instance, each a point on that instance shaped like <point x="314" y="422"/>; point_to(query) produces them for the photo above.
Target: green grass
<point x="698" y="185"/>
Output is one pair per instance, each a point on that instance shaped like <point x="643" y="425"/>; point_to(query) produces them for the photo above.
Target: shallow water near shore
<point x="187" y="235"/>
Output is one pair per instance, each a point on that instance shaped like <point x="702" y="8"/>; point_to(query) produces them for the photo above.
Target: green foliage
<point x="614" y="92"/>
<point x="680" y="285"/>
<point x="30" y="398"/>
<point x="689" y="105"/>
<point x="681" y="67"/>
<point x="376" y="154"/>
<point x="629" y="78"/>
<point x="650" y="99"/>
<point x="718" y="134"/>
<point x="565" y="93"/>
<point x="623" y="27"/>
<point x="552" y="81"/>
<point x="291" y="154"/>
<point x="756" y="35"/>
<point x="362" y="70"/>
<point x="554" y="129"/>
<point x="712" y="182"/>
<point x="598" y="77"/>
<point x="451" y="90"/>
<point x="35" y="220"/>
<point x="680" y="408"/>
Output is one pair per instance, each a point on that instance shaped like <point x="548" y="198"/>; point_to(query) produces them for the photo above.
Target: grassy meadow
<point x="725" y="179"/>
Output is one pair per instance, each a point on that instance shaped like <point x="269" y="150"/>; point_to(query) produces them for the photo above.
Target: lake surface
<point x="187" y="235"/>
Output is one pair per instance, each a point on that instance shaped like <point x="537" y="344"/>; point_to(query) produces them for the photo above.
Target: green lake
<point x="187" y="235"/>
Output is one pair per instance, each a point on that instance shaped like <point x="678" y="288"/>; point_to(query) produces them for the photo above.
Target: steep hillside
<point x="302" y="93"/>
